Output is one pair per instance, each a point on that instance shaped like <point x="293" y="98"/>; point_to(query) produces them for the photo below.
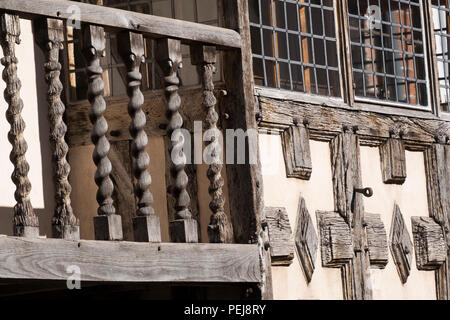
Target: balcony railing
<point x="108" y="258"/>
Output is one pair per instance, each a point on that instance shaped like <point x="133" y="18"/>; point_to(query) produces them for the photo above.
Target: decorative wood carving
<point x="376" y="240"/>
<point x="146" y="225"/>
<point x="108" y="225"/>
<point x="168" y="56"/>
<point x="429" y="242"/>
<point x="335" y="239"/>
<point x="324" y="122"/>
<point x="280" y="240"/>
<point x="219" y="229"/>
<point x="401" y="245"/>
<point x="306" y="241"/>
<point x="51" y="40"/>
<point x="26" y="223"/>
<point x="296" y="150"/>
<point x="393" y="162"/>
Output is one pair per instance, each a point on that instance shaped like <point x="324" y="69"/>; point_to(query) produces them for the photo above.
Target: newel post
<point x="26" y="223"/>
<point x="50" y="37"/>
<point x="108" y="225"/>
<point x="168" y="56"/>
<point x="146" y="224"/>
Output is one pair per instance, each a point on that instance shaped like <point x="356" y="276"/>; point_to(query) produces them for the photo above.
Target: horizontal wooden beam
<point x="48" y="259"/>
<point x="79" y="127"/>
<point x="373" y="128"/>
<point x="116" y="19"/>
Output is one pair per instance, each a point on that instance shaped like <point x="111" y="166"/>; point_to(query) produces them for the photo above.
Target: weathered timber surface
<point x="127" y="261"/>
<point x="345" y="171"/>
<point x="372" y="127"/>
<point x="51" y="40"/>
<point x="280" y="236"/>
<point x="116" y="19"/>
<point x="429" y="243"/>
<point x="401" y="245"/>
<point x="154" y="107"/>
<point x="376" y="240"/>
<point x="244" y="181"/>
<point x="393" y="162"/>
<point x="297" y="153"/>
<point x="437" y="166"/>
<point x="219" y="228"/>
<point x="306" y="241"/>
<point x="26" y="222"/>
<point x="335" y="239"/>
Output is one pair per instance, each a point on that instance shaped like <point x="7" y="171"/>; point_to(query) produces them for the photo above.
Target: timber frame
<point x="344" y="124"/>
<point x="193" y="262"/>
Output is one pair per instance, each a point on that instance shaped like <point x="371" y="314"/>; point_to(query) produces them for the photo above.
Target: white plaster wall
<point x="30" y="72"/>
<point x="279" y="191"/>
<point x="412" y="200"/>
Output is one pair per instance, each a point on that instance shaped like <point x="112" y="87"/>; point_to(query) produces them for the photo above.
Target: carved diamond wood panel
<point x="401" y="245"/>
<point x="306" y="241"/>
<point x="335" y="239"/>
<point x="376" y="240"/>
<point x="280" y="236"/>
<point x="429" y="243"/>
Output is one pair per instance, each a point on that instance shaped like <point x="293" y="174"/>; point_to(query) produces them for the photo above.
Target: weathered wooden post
<point x="184" y="227"/>
<point x="108" y="225"/>
<point x="26" y="223"/>
<point x="219" y="229"/>
<point x="50" y="37"/>
<point x="146" y="224"/>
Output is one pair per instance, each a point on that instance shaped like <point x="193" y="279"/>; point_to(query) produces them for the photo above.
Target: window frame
<point x="348" y="99"/>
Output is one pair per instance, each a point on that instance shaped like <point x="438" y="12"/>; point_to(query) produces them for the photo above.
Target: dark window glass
<point x="387" y="50"/>
<point x="294" y="45"/>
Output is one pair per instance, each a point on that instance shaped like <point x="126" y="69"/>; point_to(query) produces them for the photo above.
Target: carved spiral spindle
<point x="168" y="55"/>
<point x="140" y="139"/>
<point x="219" y="229"/>
<point x="172" y="82"/>
<point x="65" y="224"/>
<point x="146" y="224"/>
<point x="26" y="222"/>
<point x="94" y="50"/>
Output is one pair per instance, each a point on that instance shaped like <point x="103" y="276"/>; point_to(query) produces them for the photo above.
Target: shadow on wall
<point x="33" y="94"/>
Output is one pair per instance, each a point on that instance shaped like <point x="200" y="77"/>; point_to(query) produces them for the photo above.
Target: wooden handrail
<point x="117" y="19"/>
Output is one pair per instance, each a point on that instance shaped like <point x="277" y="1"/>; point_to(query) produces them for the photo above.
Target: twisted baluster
<point x="26" y="223"/>
<point x="65" y="224"/>
<point x="146" y="224"/>
<point x="184" y="228"/>
<point x="219" y="229"/>
<point x="107" y="225"/>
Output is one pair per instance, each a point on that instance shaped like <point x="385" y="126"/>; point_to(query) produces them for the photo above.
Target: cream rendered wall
<point x="33" y="93"/>
<point x="412" y="200"/>
<point x="279" y="191"/>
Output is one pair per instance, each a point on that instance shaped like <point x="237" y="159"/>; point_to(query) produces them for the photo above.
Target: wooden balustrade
<point x="50" y="24"/>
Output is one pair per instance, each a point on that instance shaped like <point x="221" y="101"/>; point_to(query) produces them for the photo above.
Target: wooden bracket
<point x="335" y="238"/>
<point x="429" y="243"/>
<point x="376" y="240"/>
<point x="401" y="245"/>
<point x="280" y="236"/>
<point x="306" y="241"/>
<point x="393" y="162"/>
<point x="297" y="154"/>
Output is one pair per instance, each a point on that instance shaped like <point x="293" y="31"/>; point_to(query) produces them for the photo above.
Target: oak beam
<point x="118" y="20"/>
<point x="129" y="261"/>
